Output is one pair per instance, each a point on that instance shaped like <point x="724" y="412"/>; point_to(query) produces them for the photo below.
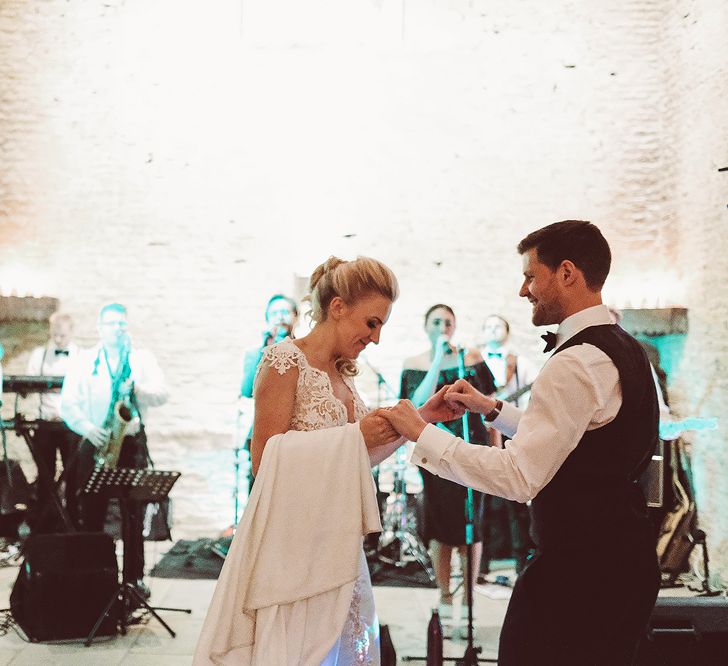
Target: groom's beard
<point x="546" y="313"/>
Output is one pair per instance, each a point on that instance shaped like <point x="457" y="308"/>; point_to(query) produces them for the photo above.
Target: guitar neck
<point x="512" y="397"/>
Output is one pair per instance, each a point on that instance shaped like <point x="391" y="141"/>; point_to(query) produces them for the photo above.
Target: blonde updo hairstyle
<point x="350" y="280"/>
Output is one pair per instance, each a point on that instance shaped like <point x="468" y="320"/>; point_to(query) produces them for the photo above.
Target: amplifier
<point x="686" y="631"/>
<point x="64" y="585"/>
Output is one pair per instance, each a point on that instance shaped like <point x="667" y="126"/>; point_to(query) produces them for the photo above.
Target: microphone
<point x="282" y="332"/>
<point x="276" y="334"/>
<point x="452" y="349"/>
<point x="125" y="342"/>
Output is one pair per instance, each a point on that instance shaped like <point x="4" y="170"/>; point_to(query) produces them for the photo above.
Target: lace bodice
<point x="316" y="407"/>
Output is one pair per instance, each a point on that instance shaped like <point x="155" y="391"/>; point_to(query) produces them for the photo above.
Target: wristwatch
<point x="492" y="415"/>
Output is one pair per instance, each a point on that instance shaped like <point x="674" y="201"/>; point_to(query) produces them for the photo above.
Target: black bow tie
<point x="495" y="354"/>
<point x="61" y="352"/>
<point x="550" y="340"/>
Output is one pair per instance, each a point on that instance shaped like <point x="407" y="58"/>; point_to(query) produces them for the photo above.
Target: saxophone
<point x="118" y="416"/>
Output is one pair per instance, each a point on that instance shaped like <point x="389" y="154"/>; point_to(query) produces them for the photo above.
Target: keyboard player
<point x="53" y="436"/>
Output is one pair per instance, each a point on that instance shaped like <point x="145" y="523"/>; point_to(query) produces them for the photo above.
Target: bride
<point x="295" y="588"/>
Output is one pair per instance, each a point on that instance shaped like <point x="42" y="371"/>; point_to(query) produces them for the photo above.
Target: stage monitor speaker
<point x="64" y="584"/>
<point x="686" y="631"/>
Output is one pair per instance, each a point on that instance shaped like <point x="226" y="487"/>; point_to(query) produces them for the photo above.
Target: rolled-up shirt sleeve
<point x="576" y="391"/>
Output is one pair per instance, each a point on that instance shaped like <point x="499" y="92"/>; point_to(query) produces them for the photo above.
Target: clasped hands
<point x="388" y="424"/>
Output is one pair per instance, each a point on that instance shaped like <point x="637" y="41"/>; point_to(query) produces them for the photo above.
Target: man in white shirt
<point x="52" y="434"/>
<point x="86" y="403"/>
<point x="506" y="523"/>
<point x="513" y="372"/>
<point x="577" y="452"/>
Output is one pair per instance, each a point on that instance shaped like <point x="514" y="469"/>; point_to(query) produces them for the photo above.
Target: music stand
<point x="124" y="483"/>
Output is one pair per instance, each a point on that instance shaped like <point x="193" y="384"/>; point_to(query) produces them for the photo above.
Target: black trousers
<point x="588" y="605"/>
<point x="49" y="438"/>
<point x="92" y="509"/>
<point x="506" y="531"/>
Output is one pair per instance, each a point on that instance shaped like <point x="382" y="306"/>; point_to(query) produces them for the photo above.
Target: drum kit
<point x="399" y="544"/>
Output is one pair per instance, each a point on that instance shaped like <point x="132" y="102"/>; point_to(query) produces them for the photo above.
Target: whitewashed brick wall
<point x="696" y="105"/>
<point x="189" y="159"/>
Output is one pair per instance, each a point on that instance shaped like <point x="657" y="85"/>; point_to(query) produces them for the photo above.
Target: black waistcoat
<point x="594" y="497"/>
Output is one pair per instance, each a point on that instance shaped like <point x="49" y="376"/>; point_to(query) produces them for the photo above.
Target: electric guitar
<point x="512" y="397"/>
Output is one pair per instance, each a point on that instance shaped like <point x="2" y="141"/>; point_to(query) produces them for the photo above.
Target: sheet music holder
<point x="144" y="485"/>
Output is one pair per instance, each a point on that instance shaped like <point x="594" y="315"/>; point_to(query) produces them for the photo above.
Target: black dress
<point x="444" y="501"/>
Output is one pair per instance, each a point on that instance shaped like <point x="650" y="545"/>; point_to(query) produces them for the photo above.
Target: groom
<point x="576" y="452"/>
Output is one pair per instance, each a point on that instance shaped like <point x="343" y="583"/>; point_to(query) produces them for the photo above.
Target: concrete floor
<point x="405" y="610"/>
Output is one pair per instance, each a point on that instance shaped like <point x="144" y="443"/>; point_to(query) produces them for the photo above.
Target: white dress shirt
<point x="86" y="392"/>
<point x="577" y="390"/>
<point x="45" y="362"/>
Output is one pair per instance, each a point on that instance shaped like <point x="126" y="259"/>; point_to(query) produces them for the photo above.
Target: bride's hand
<point x="406" y="419"/>
<point x="377" y="430"/>
<point x="439" y="410"/>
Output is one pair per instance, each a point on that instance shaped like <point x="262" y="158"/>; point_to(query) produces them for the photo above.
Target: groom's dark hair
<point x="578" y="241"/>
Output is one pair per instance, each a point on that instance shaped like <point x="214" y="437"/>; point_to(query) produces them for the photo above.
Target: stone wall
<point x="696" y="118"/>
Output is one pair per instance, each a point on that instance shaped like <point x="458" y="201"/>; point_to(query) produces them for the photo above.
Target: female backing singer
<point x="444" y="501"/>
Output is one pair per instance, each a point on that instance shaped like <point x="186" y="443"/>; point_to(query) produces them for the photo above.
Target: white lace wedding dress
<point x="316" y="408"/>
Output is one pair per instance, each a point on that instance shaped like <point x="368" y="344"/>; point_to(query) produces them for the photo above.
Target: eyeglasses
<point x="120" y="324"/>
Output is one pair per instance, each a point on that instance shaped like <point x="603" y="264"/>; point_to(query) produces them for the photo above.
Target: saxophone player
<point x="111" y="371"/>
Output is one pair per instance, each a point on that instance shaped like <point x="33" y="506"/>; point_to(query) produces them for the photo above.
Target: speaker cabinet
<point x="686" y="631"/>
<point x="64" y="584"/>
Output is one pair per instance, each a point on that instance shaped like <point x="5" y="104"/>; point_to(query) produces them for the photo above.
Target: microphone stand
<point x="470" y="657"/>
<point x="382" y="385"/>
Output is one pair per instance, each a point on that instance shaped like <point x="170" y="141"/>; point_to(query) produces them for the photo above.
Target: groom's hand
<point x="439" y="410"/>
<point x="463" y="394"/>
<point x="406" y="419"/>
<point x="377" y="430"/>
